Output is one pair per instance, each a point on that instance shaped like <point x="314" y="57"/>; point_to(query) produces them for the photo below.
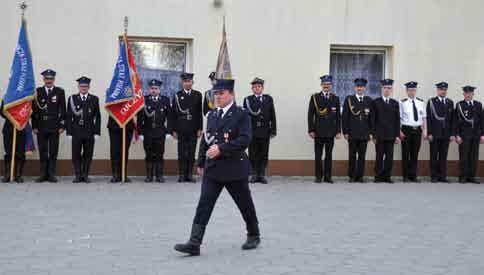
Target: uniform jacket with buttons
<point x="49" y="111"/>
<point x="440" y="118"/>
<point x="232" y="133"/>
<point x="463" y="127"/>
<point x="183" y="124"/>
<point x="87" y="123"/>
<point x="326" y="122"/>
<point x="386" y="119"/>
<point x="357" y="117"/>
<point x="153" y="118"/>
<point x="264" y="117"/>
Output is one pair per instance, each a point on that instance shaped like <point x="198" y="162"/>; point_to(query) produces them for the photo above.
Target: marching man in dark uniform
<point x="116" y="148"/>
<point x="263" y="114"/>
<point x="83" y="121"/>
<point x="413" y="117"/>
<point x="386" y="131"/>
<point x="469" y="132"/>
<point x="7" y="132"/>
<point x="188" y="124"/>
<point x="324" y="124"/>
<point x="357" y="128"/>
<point x="151" y="121"/>
<point x="440" y="114"/>
<point x="48" y="122"/>
<point x="208" y="99"/>
<point x="224" y="163"/>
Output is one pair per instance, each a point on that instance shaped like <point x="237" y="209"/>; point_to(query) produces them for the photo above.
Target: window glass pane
<point x="346" y="65"/>
<point x="161" y="60"/>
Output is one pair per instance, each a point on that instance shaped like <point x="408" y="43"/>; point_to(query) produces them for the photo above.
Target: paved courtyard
<point x="307" y="228"/>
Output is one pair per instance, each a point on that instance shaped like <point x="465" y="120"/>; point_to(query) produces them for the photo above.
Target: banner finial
<point x="23" y="6"/>
<point x="126" y="21"/>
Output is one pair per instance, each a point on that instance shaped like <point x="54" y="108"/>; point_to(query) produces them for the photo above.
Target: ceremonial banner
<point x="223" y="70"/>
<point x="124" y="98"/>
<point x="20" y="92"/>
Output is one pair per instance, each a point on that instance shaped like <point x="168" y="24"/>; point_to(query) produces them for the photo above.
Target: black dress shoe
<point x="263" y="180"/>
<point x="52" y="179"/>
<point x="114" y="180"/>
<point x="377" y="180"/>
<point x="41" y="179"/>
<point x="318" y="180"/>
<point x="473" y="180"/>
<point x="148" y="179"/>
<point x="127" y="180"/>
<point x="87" y="180"/>
<point x="19" y="180"/>
<point x="462" y="181"/>
<point x="192" y="247"/>
<point x="444" y="180"/>
<point x="253" y="179"/>
<point x="360" y="180"/>
<point x="5" y="179"/>
<point x="181" y="179"/>
<point x="251" y="243"/>
<point x="160" y="179"/>
<point x="351" y="180"/>
<point x="327" y="180"/>
<point x="76" y="180"/>
<point x="389" y="181"/>
<point x="434" y="180"/>
<point x="191" y="179"/>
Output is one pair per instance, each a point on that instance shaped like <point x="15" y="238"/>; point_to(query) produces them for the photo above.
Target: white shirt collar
<point x="47" y="89"/>
<point x="187" y="91"/>
<point x="226" y="108"/>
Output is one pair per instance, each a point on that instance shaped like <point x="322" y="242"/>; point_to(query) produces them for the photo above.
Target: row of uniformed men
<point x="80" y="118"/>
<point x="386" y="122"/>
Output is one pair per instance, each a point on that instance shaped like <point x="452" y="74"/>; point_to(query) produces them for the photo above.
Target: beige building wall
<point x="285" y="42"/>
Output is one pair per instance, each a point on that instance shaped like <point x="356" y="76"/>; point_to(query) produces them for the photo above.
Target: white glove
<point x="96" y="137"/>
<point x="141" y="137"/>
<point x="168" y="136"/>
<point x="69" y="137"/>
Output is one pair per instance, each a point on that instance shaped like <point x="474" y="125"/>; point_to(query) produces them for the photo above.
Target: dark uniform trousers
<point x="386" y="128"/>
<point x="470" y="132"/>
<point x="116" y="146"/>
<point x="229" y="170"/>
<point x="7" y="132"/>
<point x="440" y="126"/>
<point x="324" y="120"/>
<point x="384" y="159"/>
<point x="187" y="120"/>
<point x="357" y="124"/>
<point x="48" y="116"/>
<point x="439" y="148"/>
<point x="264" y="126"/>
<point x="82" y="127"/>
<point x="410" y="148"/>
<point x="357" y="158"/>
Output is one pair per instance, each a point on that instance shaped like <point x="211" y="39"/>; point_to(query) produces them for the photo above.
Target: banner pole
<point x="12" y="160"/>
<point x="123" y="168"/>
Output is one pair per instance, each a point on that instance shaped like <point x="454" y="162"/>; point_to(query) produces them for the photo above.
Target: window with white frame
<point x="350" y="62"/>
<point x="160" y="58"/>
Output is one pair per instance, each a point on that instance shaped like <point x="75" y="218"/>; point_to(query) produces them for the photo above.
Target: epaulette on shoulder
<point x="403" y="100"/>
<point x="418" y="98"/>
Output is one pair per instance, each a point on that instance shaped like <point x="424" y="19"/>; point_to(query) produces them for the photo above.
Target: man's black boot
<point x="6" y="177"/>
<point x="192" y="247"/>
<point x="149" y="171"/>
<point x="253" y="237"/>
<point x="159" y="171"/>
<point x="19" y="168"/>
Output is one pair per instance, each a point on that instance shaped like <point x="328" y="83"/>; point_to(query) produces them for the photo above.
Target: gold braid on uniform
<point x="352" y="108"/>
<point x="37" y="102"/>
<point x="322" y="112"/>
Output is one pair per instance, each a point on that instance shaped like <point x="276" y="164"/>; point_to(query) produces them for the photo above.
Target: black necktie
<point x="220" y="113"/>
<point x="415" y="113"/>
<point x="83" y="98"/>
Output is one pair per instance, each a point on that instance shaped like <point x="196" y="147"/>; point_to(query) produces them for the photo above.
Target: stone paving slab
<point x="344" y="228"/>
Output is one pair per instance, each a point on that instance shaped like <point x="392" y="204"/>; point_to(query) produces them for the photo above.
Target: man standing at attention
<point x="386" y="131"/>
<point x="324" y="124"/>
<point x="440" y="125"/>
<point x="263" y="114"/>
<point x="357" y="129"/>
<point x="413" y="117"/>
<point x="187" y="127"/>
